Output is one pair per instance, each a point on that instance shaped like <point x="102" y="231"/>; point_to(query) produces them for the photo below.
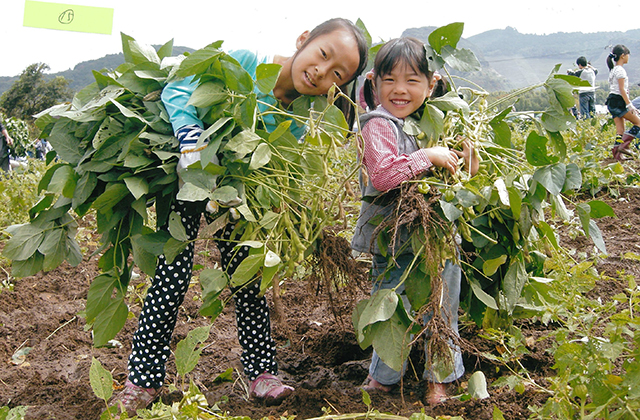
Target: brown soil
<point x="317" y="353"/>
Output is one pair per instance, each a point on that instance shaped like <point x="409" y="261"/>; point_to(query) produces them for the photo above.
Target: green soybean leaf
<point x="554" y="121"/>
<point x="101" y="380"/>
<point x="191" y="192"/>
<point x="54" y="248"/>
<point x="558" y="143"/>
<point x="141" y="256"/>
<point x="501" y="130"/>
<point x="166" y="50"/>
<point x="24" y="242"/>
<point x="260" y="157"/>
<point x="267" y="76"/>
<point x="560" y="94"/>
<point x="243" y="143"/>
<point x="152" y="242"/>
<point x="380" y="307"/>
<point x="418" y="288"/>
<point x="99" y="294"/>
<point x="552" y="177"/>
<point x="548" y="233"/>
<point x="596" y="236"/>
<point x="391" y="339"/>
<point x="213" y="282"/>
<point x="28" y="267"/>
<point x="432" y="122"/>
<point x="483" y="296"/>
<point x="489" y="267"/>
<point x="63" y="181"/>
<point x="172" y="248"/>
<point x="269" y="220"/>
<point x="451" y="102"/>
<point x="187" y="351"/>
<point x="209" y="94"/>
<point x="536" y="150"/>
<point x="515" y="201"/>
<point x="109" y="322"/>
<point x="110" y="197"/>
<point x="137" y="53"/>
<point x="446" y="35"/>
<point x="176" y="228"/>
<point x="235" y="76"/>
<point x="451" y="212"/>
<point x="138" y="186"/>
<point x="599" y="209"/>
<point x="247" y="270"/>
<point x="573" y="180"/>
<point x="65" y="143"/>
<point x="84" y="189"/>
<point x="584" y="213"/>
<point x="514" y="282"/>
<point x="462" y="59"/>
<point x="199" y="61"/>
<point x="224" y="194"/>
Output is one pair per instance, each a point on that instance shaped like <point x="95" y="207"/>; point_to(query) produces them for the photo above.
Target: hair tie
<point x="370" y="75"/>
<point x="612" y="55"/>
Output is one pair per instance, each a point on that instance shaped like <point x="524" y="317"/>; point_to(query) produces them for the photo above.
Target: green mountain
<point x="513" y="60"/>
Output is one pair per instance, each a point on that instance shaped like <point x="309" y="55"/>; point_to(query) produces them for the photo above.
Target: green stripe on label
<point x="68" y="17"/>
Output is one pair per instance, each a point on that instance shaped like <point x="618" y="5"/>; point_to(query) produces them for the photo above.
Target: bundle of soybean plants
<point x="497" y="225"/>
<point x="115" y="155"/>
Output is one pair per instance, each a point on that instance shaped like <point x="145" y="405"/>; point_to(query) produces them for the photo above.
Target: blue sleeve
<point x="175" y="96"/>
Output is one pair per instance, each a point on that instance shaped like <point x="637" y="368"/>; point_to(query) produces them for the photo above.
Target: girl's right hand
<point x="443" y="157"/>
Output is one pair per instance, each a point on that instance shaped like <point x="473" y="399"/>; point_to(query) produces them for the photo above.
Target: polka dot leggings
<point x="150" y="347"/>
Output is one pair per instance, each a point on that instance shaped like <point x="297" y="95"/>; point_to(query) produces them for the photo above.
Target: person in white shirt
<point x="587" y="94"/>
<point x="618" y="102"/>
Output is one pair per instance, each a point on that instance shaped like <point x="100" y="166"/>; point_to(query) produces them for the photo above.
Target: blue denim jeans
<point x="451" y="276"/>
<point x="587" y="104"/>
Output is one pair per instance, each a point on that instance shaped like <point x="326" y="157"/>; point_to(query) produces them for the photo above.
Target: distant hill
<point x="512" y="60"/>
<point x="509" y="59"/>
<point x="82" y="74"/>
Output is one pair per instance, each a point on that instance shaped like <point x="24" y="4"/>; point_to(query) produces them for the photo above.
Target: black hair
<point x="331" y="26"/>
<point x="407" y="50"/>
<point x="440" y="89"/>
<point x="582" y="61"/>
<point x="615" y="55"/>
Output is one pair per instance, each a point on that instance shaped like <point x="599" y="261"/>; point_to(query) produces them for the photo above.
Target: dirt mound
<point x="317" y="352"/>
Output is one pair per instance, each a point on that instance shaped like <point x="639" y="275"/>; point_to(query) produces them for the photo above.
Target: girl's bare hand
<point x="470" y="156"/>
<point x="443" y="157"/>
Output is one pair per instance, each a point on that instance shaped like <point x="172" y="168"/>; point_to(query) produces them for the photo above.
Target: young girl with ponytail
<point x="618" y="101"/>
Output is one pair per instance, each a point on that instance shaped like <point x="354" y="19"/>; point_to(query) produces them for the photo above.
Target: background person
<point x="618" y="102"/>
<point x="5" y="142"/>
<point x="586" y="95"/>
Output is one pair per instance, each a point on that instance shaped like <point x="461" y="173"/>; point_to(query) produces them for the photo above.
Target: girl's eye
<point x="338" y="75"/>
<point x="324" y="54"/>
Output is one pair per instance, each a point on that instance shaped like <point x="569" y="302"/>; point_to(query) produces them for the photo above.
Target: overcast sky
<point x="272" y="27"/>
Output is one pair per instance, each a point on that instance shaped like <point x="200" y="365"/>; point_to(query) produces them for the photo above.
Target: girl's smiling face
<point x="328" y="59"/>
<point x="403" y="91"/>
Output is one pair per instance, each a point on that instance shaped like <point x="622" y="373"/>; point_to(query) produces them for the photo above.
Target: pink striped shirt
<point x="386" y="167"/>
